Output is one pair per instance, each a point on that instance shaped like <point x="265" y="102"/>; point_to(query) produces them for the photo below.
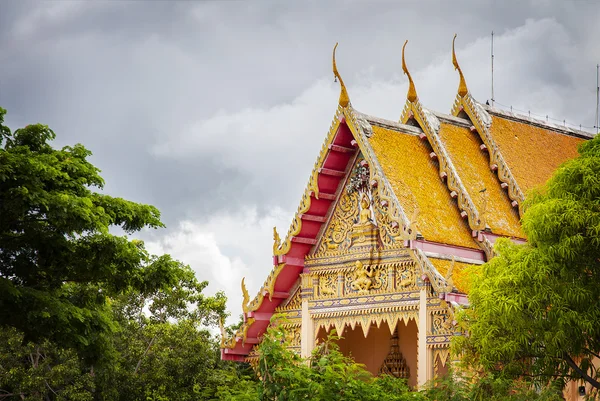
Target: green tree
<point x="85" y="314"/>
<point x="535" y="308"/>
<point x="328" y="375"/>
<point x="58" y="260"/>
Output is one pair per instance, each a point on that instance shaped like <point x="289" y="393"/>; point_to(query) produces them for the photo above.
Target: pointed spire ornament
<point x="412" y="92"/>
<point x="462" y="86"/>
<point x="344" y="98"/>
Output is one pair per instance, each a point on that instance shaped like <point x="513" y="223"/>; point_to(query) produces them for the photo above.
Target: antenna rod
<point x="597" y="97"/>
<point x="492" y="68"/>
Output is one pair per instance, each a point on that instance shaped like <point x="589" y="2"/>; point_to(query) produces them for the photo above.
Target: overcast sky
<point x="215" y="111"/>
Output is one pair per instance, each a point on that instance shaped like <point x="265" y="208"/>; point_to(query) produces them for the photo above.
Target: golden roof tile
<point x="414" y="178"/>
<point x="472" y="166"/>
<point x="532" y="153"/>
<point x="460" y="272"/>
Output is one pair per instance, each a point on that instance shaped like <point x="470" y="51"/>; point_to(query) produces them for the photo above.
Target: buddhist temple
<point x="393" y="214"/>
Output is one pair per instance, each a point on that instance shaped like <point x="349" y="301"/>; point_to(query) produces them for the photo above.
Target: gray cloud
<point x="215" y="111"/>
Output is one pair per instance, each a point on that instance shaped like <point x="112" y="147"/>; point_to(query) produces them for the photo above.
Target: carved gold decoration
<point x="337" y="234"/>
<point x="462" y="86"/>
<point x="276" y="241"/>
<point x="327" y="286"/>
<point x="442" y="324"/>
<point x="438" y="282"/>
<point x="388" y="231"/>
<point x="361" y="130"/>
<point x="294" y="302"/>
<point x="440" y="359"/>
<point x="293" y="336"/>
<point x="413" y="225"/>
<point x="344" y="98"/>
<point x="245" y="328"/>
<point x="411" y="96"/>
<point x="365" y="320"/>
<point x="483" y="210"/>
<point x="449" y="281"/>
<point x="246" y="297"/>
<point x="365" y="210"/>
<point x="394" y="363"/>
<point x="363" y="278"/>
<point x="405" y="277"/>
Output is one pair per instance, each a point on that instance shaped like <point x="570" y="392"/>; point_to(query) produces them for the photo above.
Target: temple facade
<point x="393" y="214"/>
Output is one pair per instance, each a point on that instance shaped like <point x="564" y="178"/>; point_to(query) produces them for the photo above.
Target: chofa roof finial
<point x="462" y="86"/>
<point x="344" y="98"/>
<point x="412" y="92"/>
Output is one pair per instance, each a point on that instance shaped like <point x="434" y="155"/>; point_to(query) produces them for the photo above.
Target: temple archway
<point x="373" y="349"/>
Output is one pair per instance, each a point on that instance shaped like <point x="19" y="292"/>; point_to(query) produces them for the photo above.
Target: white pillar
<point x="307" y="336"/>
<point x="423" y="360"/>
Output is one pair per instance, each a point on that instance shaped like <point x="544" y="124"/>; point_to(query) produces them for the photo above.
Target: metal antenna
<point x="492" y="68"/>
<point x="597" y="97"/>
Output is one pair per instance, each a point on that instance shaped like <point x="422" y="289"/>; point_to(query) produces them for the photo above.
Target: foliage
<point x="58" y="261"/>
<point x="85" y="314"/>
<point x="535" y="308"/>
<point x="327" y="375"/>
<point x="482" y="387"/>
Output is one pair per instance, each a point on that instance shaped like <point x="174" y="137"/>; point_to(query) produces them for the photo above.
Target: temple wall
<point x="370" y="351"/>
<point x="407" y="341"/>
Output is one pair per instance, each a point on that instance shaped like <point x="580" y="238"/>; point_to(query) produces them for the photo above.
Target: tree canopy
<point x="58" y="261"/>
<point x="535" y="308"/>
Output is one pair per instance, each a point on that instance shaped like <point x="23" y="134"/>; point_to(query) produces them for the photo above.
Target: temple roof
<point x="405" y="161"/>
<point x="463" y="147"/>
<point x="451" y="184"/>
<point x="532" y="150"/>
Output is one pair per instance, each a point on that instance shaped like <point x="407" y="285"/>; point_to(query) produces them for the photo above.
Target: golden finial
<point x="412" y="92"/>
<point x="344" y="98"/>
<point x="462" y="86"/>
<point x="276" y="241"/>
<point x="246" y="296"/>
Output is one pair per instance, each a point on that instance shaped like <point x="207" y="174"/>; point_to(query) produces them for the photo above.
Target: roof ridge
<point x="538" y="123"/>
<point x="390" y="124"/>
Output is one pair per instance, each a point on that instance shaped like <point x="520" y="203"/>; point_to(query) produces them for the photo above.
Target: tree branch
<point x="583" y="374"/>
<point x="144" y="354"/>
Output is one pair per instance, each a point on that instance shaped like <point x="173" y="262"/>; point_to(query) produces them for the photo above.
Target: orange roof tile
<point x="472" y="165"/>
<point x="532" y="153"/>
<point x="460" y="272"/>
<point x="414" y="178"/>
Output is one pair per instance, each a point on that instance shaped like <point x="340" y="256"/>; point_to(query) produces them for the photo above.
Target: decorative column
<point x="307" y="333"/>
<point x="423" y="357"/>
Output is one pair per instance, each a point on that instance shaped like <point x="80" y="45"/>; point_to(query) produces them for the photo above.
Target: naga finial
<point x="462" y="86"/>
<point x="412" y="92"/>
<point x="276" y="241"/>
<point x="246" y="299"/>
<point x="344" y="98"/>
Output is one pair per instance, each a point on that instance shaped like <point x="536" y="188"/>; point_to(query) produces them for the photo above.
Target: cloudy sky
<point x="214" y="111"/>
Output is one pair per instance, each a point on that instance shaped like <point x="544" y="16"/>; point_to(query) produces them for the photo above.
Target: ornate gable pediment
<point x="359" y="218"/>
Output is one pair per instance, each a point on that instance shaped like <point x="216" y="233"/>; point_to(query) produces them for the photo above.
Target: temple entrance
<point x="398" y="351"/>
